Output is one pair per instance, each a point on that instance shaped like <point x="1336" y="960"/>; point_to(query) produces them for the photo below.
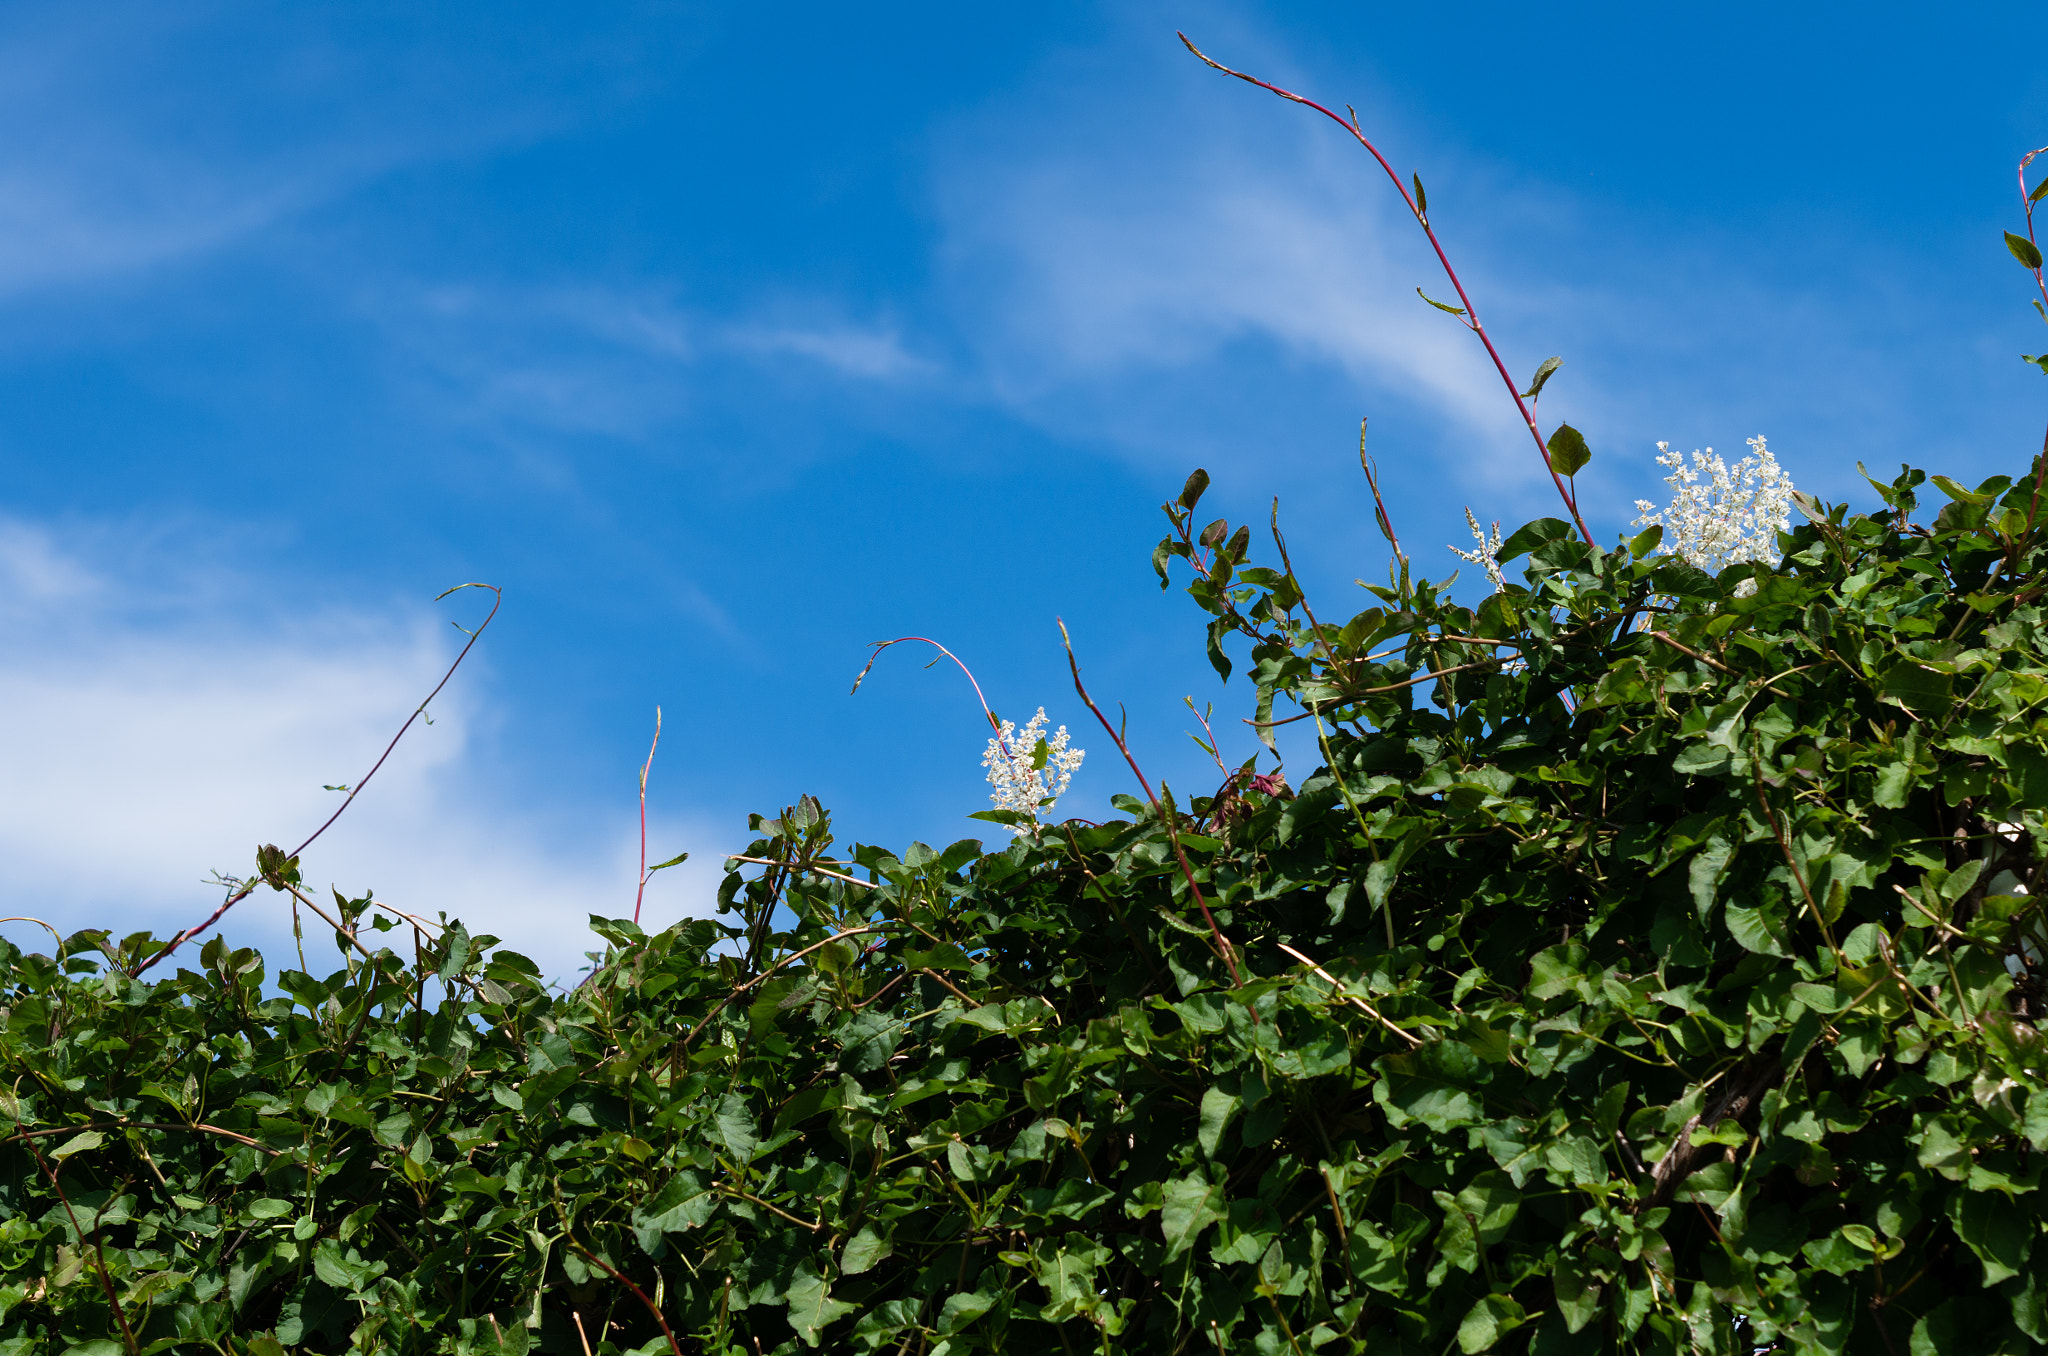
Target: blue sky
<point x="728" y="339"/>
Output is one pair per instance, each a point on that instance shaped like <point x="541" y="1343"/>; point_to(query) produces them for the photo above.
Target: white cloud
<point x="1144" y="256"/>
<point x="141" y="135"/>
<point x="876" y="353"/>
<point x="1084" y="264"/>
<point x="149" y="745"/>
<point x="615" y="360"/>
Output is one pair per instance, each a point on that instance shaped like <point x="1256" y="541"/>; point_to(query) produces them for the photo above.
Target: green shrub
<point x="1660" y="976"/>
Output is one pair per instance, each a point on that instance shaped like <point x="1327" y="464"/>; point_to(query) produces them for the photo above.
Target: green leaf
<point x="1218" y="1107"/>
<point x="1941" y="1331"/>
<point x="1492" y="1318"/>
<point x="1529" y="536"/>
<point x="78" y="1144"/>
<point x="1543" y="373"/>
<point x="1491" y="1202"/>
<point x="1191" y="493"/>
<point x="1568" y="451"/>
<point x="1457" y="1243"/>
<point x="1761" y="929"/>
<point x="1578" y="1298"/>
<point x="2023" y="250"/>
<point x="1894" y="783"/>
<point x="961" y="1310"/>
<point x="1956" y="492"/>
<point x="944" y="956"/>
<point x="682" y="1204"/>
<point x="811" y="1306"/>
<point x="867" y="1247"/>
<point x="734" y="1125"/>
<point x="1189" y="1205"/>
<point x="2000" y="1234"/>
<point x="1421" y="198"/>
<point x="1436" y="1085"/>
<point x="1453" y="310"/>
<point x="1926" y="692"/>
<point x="347" y="1271"/>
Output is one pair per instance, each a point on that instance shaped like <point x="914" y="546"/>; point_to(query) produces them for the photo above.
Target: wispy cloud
<point x="874" y="352"/>
<point x="1156" y="259"/>
<point x="142" y="135"/>
<point x="149" y="746"/>
<point x="1085" y="266"/>
<point x="617" y="360"/>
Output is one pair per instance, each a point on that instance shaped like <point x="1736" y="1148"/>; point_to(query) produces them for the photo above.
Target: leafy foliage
<point x="1668" y="978"/>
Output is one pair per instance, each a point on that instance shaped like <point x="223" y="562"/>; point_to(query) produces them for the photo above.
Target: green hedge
<point x="1663" y="976"/>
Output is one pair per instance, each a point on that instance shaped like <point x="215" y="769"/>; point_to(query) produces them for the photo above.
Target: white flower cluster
<point x="1486" y="554"/>
<point x="1720" y="516"/>
<point x="1028" y="769"/>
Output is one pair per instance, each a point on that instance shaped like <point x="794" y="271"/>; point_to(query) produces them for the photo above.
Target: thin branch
<point x="884" y="991"/>
<point x="1756" y="766"/>
<point x="1391" y="687"/>
<point x="801" y="866"/>
<point x="1364" y="829"/>
<point x="810" y="1224"/>
<point x="2027" y="201"/>
<point x="881" y="645"/>
<point x="1471" y="317"/>
<point x="146" y="1125"/>
<point x="243" y="893"/>
<point x="418" y="711"/>
<point x="1223" y="947"/>
<point x="1710" y="661"/>
<point x="1372" y="482"/>
<point x="720" y="1007"/>
<point x="1352" y="998"/>
<point x="621" y="1278"/>
<point x="99" y="1253"/>
<point x="641" y="894"/>
<point x="948" y="986"/>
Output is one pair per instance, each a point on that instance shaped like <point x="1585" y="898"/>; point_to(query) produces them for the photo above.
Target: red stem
<point x="99" y="1253"/>
<point x="2027" y="203"/>
<point x="1223" y="947"/>
<point x="1471" y="317"/>
<point x="881" y="645"/>
<point x="621" y="1278"/>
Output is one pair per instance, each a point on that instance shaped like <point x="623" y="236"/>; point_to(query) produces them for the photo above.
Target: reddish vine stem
<point x="1223" y="947"/>
<point x="2027" y="203"/>
<point x="638" y="1293"/>
<point x="197" y="1126"/>
<point x="242" y="892"/>
<point x="2041" y="286"/>
<point x="881" y="645"/>
<point x="99" y="1253"/>
<point x="1470" y="319"/>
